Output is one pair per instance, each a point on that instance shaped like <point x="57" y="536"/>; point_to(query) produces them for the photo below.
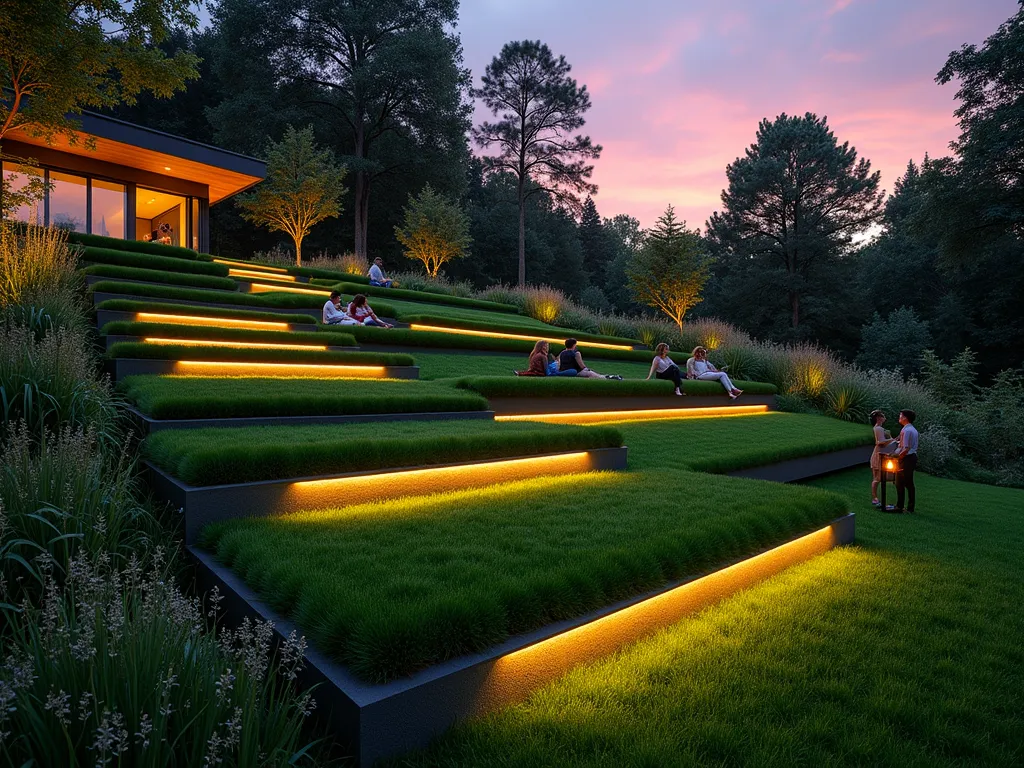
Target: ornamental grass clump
<point x="543" y="302"/>
<point x="37" y="276"/>
<point x="116" y="666"/>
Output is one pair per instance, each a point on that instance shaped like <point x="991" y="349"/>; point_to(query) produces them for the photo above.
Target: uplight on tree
<point x="435" y="230"/>
<point x="669" y="271"/>
<point x="303" y="187"/>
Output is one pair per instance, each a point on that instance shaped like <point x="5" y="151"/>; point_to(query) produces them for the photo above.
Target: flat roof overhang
<point x="225" y="173"/>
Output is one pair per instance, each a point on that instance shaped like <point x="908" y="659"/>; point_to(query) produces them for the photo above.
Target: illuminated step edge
<point x="532" y="406"/>
<point x="518" y="336"/>
<point x="148" y="424"/>
<point x="212" y="503"/>
<point x="98" y="297"/>
<point x="112" y="339"/>
<point x="652" y="414"/>
<point x="121" y="367"/>
<point x="381" y="721"/>
<point x="104" y="316"/>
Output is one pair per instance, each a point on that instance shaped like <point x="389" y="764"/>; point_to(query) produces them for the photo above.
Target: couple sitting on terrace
<point x="697" y="367"/>
<point x="569" y="363"/>
<point x="358" y="312"/>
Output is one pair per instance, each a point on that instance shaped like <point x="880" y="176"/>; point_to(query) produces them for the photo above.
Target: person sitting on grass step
<point x="333" y="314"/>
<point x="698" y="367"/>
<point x="538" y="361"/>
<point x="570" y="359"/>
<point x="362" y="313"/>
<point x="663" y="367"/>
<point x="377" y="276"/>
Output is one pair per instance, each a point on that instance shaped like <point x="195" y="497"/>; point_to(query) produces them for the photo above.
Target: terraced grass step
<point x="184" y="334"/>
<point x="124" y="258"/>
<point x="564" y="387"/>
<point x="156" y="277"/>
<point x="128" y="310"/>
<point x="389" y="589"/>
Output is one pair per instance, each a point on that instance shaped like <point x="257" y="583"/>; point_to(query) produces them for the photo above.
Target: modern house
<point x="130" y="182"/>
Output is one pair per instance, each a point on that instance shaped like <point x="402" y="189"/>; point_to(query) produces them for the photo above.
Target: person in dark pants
<point x="663" y="368"/>
<point x="908" y="442"/>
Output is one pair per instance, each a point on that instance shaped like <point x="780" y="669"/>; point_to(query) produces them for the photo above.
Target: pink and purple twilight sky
<point x="678" y="88"/>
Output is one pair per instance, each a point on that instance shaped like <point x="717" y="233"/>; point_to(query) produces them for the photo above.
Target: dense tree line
<point x="806" y="246"/>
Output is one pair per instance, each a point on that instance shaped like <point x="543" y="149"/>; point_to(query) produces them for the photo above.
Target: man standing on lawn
<point x="907" y="453"/>
<point x="377" y="276"/>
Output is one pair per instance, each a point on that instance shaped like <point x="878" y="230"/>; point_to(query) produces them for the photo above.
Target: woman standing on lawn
<point x="538" y="361"/>
<point x="664" y="368"/>
<point x="883" y="444"/>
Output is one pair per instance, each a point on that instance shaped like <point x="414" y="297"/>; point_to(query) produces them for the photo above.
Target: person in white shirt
<point x="908" y="442"/>
<point x="377" y="276"/>
<point x="698" y="367"/>
<point x="663" y="367"/>
<point x="333" y="314"/>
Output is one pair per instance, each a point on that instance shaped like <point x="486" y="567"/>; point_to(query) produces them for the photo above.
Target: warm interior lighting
<point x="259" y="275"/>
<point x="276" y="370"/>
<point x="250" y="266"/>
<point x="233" y="344"/>
<point x="348" y="491"/>
<point x="214" y="322"/>
<point x="523" y="337"/>
<point x="264" y="288"/>
<point x="515" y="675"/>
<point x="652" y="414"/>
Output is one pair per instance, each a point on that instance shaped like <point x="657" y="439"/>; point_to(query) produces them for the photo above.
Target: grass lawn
<point x="570" y="387"/>
<point x="417" y="308"/>
<point x="445" y="365"/>
<point x="139" y="350"/>
<point x="391" y="588"/>
<point x="242" y="454"/>
<point x="904" y="651"/>
<point x="189" y="397"/>
<point x="736" y="442"/>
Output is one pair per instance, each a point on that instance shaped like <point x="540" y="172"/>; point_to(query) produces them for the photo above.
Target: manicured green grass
<point x="133" y="305"/>
<point x="726" y="444"/>
<point x="136" y="246"/>
<point x="445" y="365"/>
<point x="238" y="455"/>
<point x="390" y="588"/>
<point x="405" y="308"/>
<point x="572" y="386"/>
<point x="902" y="651"/>
<point x="142" y="351"/>
<point x="161" y="330"/>
<point x="500" y="325"/>
<point x="183" y="279"/>
<point x="425" y="297"/>
<point x="124" y="258"/>
<point x="188" y="397"/>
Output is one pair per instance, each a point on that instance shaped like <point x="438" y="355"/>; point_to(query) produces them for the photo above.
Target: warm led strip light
<point x="513" y="676"/>
<point x="521" y="337"/>
<point x="245" y="273"/>
<point x="652" y="414"/>
<point x="270" y="370"/>
<point x="247" y="265"/>
<point x="233" y="344"/>
<point x="348" y="491"/>
<point x="216" y="322"/>
<point x="264" y="288"/>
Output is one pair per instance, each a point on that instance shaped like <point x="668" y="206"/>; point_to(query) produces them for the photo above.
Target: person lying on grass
<point x="698" y="367"/>
<point x="334" y="314"/>
<point x="570" y="359"/>
<point x="663" y="367"/>
<point x="362" y="313"/>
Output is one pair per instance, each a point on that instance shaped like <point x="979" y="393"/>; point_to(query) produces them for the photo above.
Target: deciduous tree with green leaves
<point x="303" y="187"/>
<point x="669" y="271"/>
<point x="539" y="108"/>
<point x="434" y="231"/>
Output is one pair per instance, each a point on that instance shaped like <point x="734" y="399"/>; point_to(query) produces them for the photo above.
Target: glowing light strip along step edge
<point x="158" y="341"/>
<point x="214" y="322"/>
<point x="518" y="336"/>
<point x="651" y="414"/>
<point x="264" y="288"/>
<point x="254" y="267"/>
<point x="246" y="273"/>
<point x="257" y="370"/>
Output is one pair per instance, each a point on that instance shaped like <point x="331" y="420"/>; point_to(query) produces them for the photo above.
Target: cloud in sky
<point x="678" y="89"/>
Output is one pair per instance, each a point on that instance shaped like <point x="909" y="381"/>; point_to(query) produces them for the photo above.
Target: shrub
<point x="897" y="342"/>
<point x="116" y="667"/>
<point x="650" y="333"/>
<point x="38" y="282"/>
<point x="573" y="316"/>
<point x="594" y="300"/>
<point x="123" y="258"/>
<point x="741" y="361"/>
<point x="414" y="281"/>
<point x="505" y="294"/>
<point x="614" y="325"/>
<point x="50" y="382"/>
<point x="846" y="399"/>
<point x="67" y="497"/>
<point x="543" y="303"/>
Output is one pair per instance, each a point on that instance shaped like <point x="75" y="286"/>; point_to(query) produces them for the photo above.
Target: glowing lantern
<point x="890" y="469"/>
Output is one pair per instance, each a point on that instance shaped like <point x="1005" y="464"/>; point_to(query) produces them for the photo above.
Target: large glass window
<point x="195" y="223"/>
<point x="160" y="217"/>
<point x="16" y="178"/>
<point x="109" y="201"/>
<point x="68" y="201"/>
